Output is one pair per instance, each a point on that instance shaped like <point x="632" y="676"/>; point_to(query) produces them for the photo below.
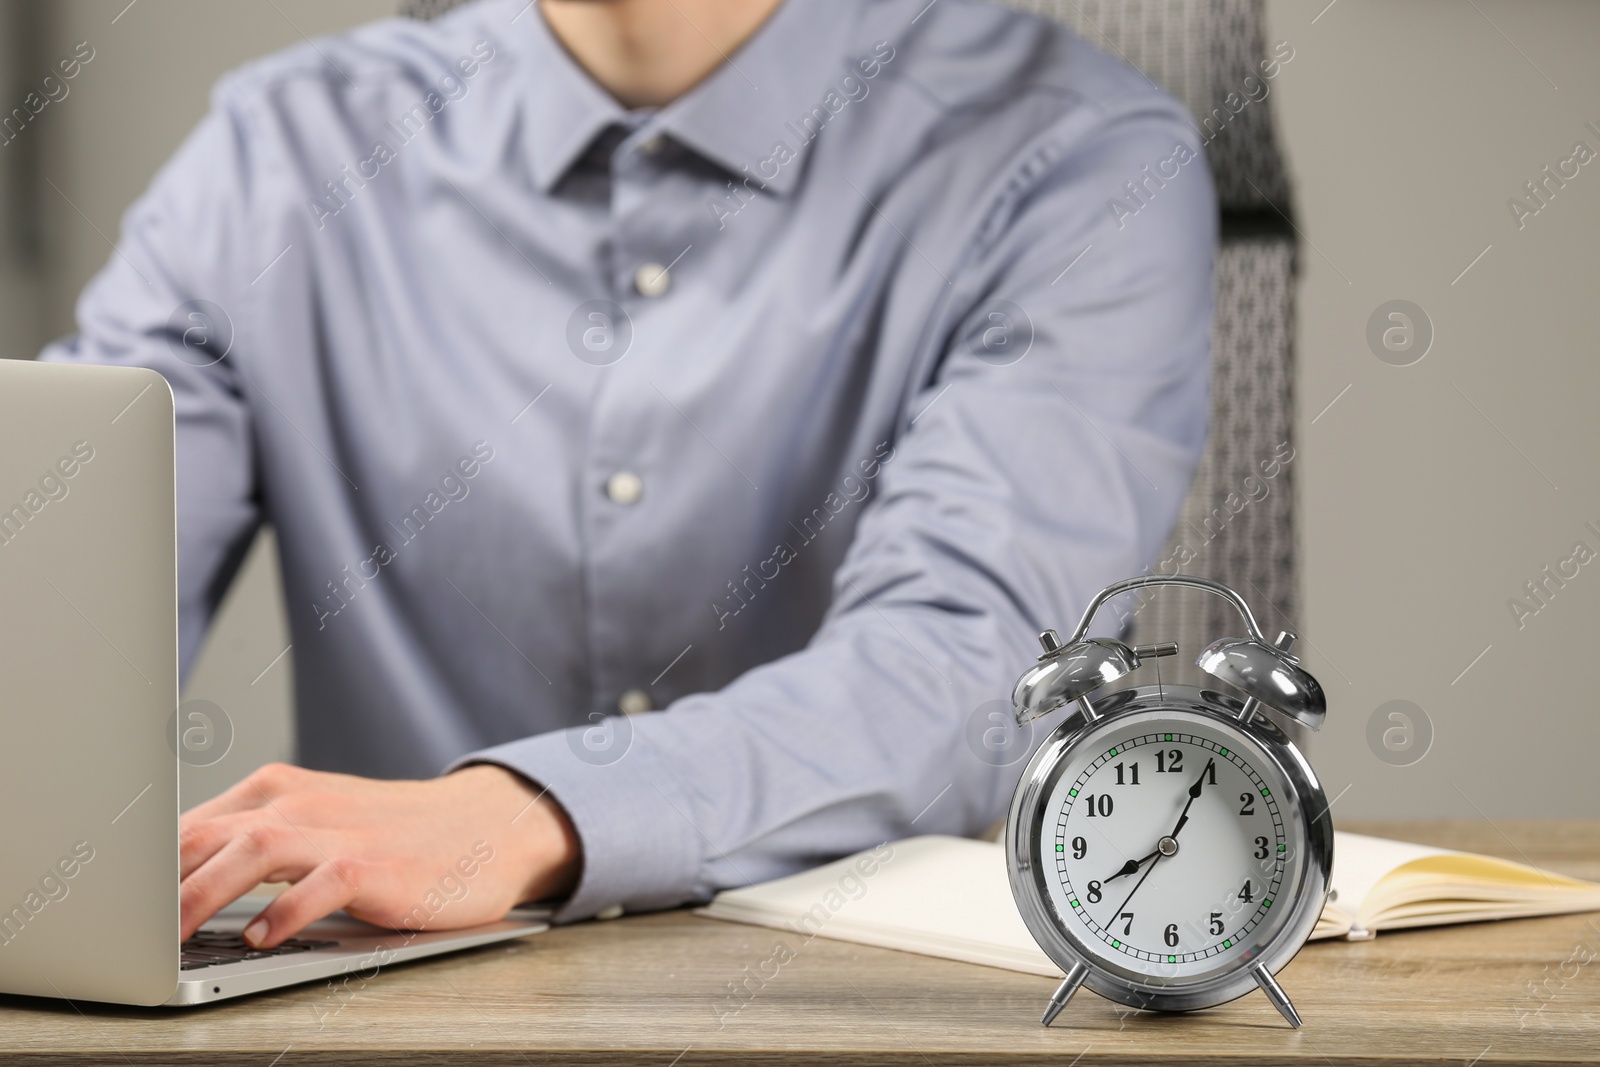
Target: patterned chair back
<point x="1237" y="524"/>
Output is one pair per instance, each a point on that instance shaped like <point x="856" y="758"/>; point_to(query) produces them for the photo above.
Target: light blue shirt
<point x="793" y="409"/>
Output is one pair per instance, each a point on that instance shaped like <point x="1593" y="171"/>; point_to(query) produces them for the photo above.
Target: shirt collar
<point x="757" y="98"/>
<point x="565" y="111"/>
<point x="736" y="118"/>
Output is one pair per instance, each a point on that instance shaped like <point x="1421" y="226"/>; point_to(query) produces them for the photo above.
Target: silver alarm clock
<point x="1169" y="846"/>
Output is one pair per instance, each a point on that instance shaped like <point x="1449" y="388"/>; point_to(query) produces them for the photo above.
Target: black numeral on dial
<point x="1099" y="804"/>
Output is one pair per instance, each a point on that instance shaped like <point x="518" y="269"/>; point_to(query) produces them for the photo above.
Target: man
<point x="784" y="367"/>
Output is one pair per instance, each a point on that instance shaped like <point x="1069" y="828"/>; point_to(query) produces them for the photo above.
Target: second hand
<point x="1194" y="794"/>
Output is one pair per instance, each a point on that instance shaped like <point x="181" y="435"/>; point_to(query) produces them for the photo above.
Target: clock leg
<point x="1064" y="991"/>
<point x="1275" y="993"/>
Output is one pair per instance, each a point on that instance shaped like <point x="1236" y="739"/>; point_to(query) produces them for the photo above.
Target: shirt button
<point x="613" y="912"/>
<point x="651" y="279"/>
<point x="624" y="487"/>
<point x="653" y="145"/>
<point x="634" y="702"/>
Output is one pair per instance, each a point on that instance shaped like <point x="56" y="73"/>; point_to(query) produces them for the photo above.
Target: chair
<point x="1237" y="525"/>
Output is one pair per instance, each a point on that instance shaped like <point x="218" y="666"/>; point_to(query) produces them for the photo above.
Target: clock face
<point x="1167" y="844"/>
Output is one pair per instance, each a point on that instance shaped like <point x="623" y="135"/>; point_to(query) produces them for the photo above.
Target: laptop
<point x="89" y="869"/>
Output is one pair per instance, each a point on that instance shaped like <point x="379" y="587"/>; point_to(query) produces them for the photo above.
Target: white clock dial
<point x="1166" y="844"/>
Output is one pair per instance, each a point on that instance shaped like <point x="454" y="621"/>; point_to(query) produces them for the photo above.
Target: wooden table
<point x="655" y="989"/>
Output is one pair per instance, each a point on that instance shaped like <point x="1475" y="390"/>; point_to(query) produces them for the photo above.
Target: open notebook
<point x="948" y="896"/>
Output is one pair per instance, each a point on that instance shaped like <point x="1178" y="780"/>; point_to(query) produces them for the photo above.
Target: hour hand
<point x="1132" y="866"/>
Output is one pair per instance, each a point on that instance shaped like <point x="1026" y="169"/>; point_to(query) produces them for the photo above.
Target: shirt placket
<point x="641" y="269"/>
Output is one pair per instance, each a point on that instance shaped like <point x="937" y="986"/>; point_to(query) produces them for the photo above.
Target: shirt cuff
<point x="640" y="851"/>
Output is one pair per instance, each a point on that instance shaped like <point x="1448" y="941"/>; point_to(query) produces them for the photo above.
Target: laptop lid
<point x="88" y="684"/>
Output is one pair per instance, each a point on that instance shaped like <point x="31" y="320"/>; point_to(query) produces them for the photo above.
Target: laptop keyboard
<point x="209" y="949"/>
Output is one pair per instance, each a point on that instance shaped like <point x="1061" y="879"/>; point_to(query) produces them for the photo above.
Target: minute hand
<point x="1194" y="794"/>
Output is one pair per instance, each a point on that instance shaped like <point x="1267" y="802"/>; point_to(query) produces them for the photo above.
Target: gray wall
<point x="1430" y="493"/>
<point x="1433" y="492"/>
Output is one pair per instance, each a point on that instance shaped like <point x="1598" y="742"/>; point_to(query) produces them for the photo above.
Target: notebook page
<point x="1360" y="863"/>
<point x="937" y="895"/>
<point x="1463" y="887"/>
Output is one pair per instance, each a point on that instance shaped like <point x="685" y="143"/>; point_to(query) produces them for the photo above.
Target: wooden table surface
<point x="654" y="989"/>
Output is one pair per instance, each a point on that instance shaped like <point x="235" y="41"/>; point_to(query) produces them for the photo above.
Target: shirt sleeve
<point x="1017" y="489"/>
<point x="168" y="299"/>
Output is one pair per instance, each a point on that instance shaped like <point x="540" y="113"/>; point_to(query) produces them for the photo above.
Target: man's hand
<point x="380" y="850"/>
